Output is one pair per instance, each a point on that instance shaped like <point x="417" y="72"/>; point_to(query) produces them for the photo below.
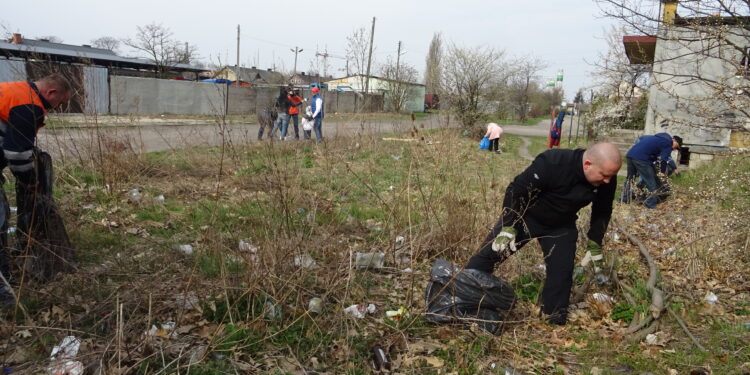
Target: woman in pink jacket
<point x="494" y="131"/>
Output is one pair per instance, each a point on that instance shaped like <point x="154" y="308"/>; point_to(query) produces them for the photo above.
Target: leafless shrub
<point x="467" y="75"/>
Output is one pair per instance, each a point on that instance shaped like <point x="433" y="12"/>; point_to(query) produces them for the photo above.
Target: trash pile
<point x="466" y="295"/>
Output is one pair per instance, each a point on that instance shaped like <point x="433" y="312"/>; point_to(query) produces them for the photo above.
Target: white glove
<point x="505" y="240"/>
<point x="588" y="258"/>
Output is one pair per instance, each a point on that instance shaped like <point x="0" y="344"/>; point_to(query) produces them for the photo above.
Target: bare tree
<point x="549" y="97"/>
<point x="614" y="74"/>
<point x="523" y="81"/>
<point x="357" y="49"/>
<point x="5" y="31"/>
<point x="579" y="97"/>
<point x="432" y="72"/>
<point x="157" y="43"/>
<point x="468" y="74"/>
<point x="620" y="85"/>
<point x="107" y="42"/>
<point x="399" y="83"/>
<point x="700" y="70"/>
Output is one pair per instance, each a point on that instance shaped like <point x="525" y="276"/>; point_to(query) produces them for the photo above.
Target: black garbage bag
<point x="467" y="295"/>
<point x="42" y="238"/>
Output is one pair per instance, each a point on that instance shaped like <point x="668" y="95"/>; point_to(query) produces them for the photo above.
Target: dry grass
<point x="327" y="201"/>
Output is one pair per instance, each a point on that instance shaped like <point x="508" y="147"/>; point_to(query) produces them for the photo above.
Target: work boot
<point x="559" y="317"/>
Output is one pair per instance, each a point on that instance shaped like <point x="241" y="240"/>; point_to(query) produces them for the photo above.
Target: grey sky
<point x="562" y="33"/>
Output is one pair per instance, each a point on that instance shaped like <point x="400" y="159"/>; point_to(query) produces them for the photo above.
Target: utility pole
<point x="570" y="131"/>
<point x="296" y="51"/>
<point x="578" y="125"/>
<point x="398" y="58"/>
<point x="237" y="66"/>
<point x="369" y="58"/>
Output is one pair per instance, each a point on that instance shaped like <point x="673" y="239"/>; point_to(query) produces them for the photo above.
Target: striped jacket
<point x="22" y="112"/>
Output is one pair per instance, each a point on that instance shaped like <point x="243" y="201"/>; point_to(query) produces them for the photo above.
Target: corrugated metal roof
<point x="71" y="47"/>
<point x="30" y="46"/>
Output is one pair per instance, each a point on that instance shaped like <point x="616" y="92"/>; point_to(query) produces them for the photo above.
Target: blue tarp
<point x="218" y="80"/>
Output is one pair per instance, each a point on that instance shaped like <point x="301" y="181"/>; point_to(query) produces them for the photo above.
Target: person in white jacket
<point x="494" y="131"/>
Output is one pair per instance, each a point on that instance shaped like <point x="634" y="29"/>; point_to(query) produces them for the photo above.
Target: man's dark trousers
<point x="295" y="119"/>
<point x="647" y="172"/>
<point x="559" y="249"/>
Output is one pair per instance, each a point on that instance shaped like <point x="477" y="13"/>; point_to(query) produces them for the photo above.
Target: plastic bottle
<point x="315" y="305"/>
<point x="135" y="196"/>
<point x="369" y="260"/>
<point x="380" y="358"/>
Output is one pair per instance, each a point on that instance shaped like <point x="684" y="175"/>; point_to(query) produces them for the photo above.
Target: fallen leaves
<point x="421" y="360"/>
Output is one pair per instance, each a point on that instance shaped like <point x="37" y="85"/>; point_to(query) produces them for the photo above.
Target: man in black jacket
<point x="543" y="202"/>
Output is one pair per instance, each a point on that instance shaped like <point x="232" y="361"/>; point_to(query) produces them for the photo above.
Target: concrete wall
<point x="693" y="84"/>
<point x="414" y="92"/>
<point x="147" y="96"/>
<point x="345" y="103"/>
<point x="414" y="101"/>
<point x="265" y="97"/>
<point x="241" y="100"/>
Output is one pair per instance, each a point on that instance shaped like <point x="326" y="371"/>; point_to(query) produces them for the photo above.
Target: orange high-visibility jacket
<point x="22" y="112"/>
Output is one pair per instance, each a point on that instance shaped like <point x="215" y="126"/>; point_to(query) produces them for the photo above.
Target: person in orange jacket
<point x="296" y="100"/>
<point x="23" y="108"/>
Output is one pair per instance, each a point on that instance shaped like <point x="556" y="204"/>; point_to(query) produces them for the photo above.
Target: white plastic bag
<point x="307" y="125"/>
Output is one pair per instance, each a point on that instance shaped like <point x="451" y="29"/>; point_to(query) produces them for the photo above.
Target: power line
<point x="286" y="45"/>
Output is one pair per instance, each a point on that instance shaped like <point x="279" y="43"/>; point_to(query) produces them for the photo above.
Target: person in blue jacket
<point x="318" y="113"/>
<point x="649" y="153"/>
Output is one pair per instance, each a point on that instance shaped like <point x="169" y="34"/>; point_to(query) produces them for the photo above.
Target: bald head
<point x="602" y="151"/>
<point x="601" y="162"/>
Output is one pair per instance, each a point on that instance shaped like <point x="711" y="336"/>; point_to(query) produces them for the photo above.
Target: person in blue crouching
<point x="650" y="155"/>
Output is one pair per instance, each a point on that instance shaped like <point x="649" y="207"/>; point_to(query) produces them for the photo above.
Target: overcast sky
<point x="565" y="34"/>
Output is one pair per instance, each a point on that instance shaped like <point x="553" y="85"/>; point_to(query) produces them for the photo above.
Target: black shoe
<point x="559" y="317"/>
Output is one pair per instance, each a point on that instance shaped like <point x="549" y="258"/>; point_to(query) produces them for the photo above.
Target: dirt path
<point x="539" y="130"/>
<point x="523" y="150"/>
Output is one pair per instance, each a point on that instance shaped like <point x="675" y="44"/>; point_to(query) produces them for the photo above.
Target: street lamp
<point x="296" y="51"/>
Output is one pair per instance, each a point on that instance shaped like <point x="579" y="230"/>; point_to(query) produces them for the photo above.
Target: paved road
<point x="542" y="128"/>
<point x="77" y="141"/>
<point x="539" y="130"/>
